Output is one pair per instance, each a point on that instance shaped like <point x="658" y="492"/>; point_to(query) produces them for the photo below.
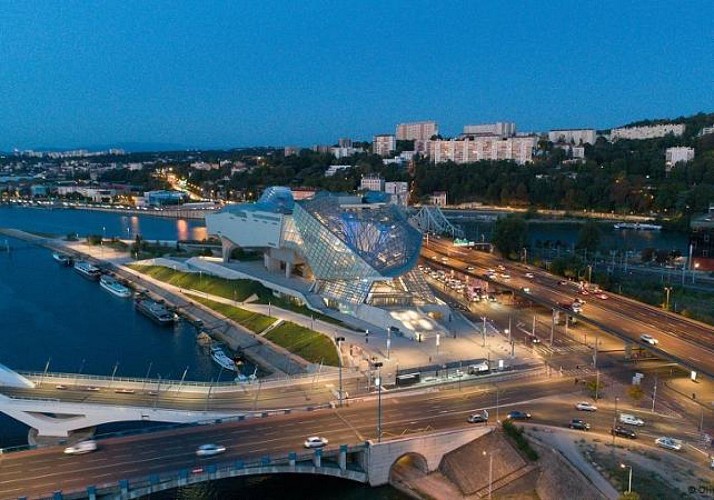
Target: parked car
<point x="479" y="416"/>
<point x="626" y="418"/>
<point x="315" y="442"/>
<point x="649" y="339"/>
<point x="518" y="415"/>
<point x="669" y="443"/>
<point x="621" y="431"/>
<point x="579" y="424"/>
<point x="81" y="448"/>
<point x="209" y="450"/>
<point x="585" y="406"/>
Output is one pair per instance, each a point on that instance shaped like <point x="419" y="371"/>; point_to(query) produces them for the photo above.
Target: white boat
<point x="87" y="270"/>
<point x="62" y="258"/>
<point x="112" y="286"/>
<point x="637" y="226"/>
<point x="219" y="356"/>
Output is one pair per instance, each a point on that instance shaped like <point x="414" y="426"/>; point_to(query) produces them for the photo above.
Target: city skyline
<point x="224" y="75"/>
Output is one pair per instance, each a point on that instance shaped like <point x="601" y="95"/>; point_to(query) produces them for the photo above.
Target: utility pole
<point x="378" y="366"/>
<point x="654" y="394"/>
<point x="483" y="331"/>
<point x="338" y="341"/>
<point x="552" y="328"/>
<point x="597" y="383"/>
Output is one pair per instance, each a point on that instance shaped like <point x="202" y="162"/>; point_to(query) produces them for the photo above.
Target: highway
<point x="687" y="342"/>
<point x="550" y="400"/>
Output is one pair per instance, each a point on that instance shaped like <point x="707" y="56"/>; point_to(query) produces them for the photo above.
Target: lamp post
<point x="490" y="472"/>
<point x="378" y="366"/>
<point x="437" y="344"/>
<point x="667" y="290"/>
<point x="614" y="421"/>
<point x="483" y="331"/>
<point x="338" y="340"/>
<point x="629" y="481"/>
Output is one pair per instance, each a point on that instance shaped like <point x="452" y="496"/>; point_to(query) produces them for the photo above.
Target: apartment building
<point x="672" y="156"/>
<point x="647" y="132"/>
<point x="518" y="149"/>
<point x="384" y="144"/>
<point x="501" y="129"/>
<point x="577" y="136"/>
<point x="417" y="130"/>
<point x="372" y="182"/>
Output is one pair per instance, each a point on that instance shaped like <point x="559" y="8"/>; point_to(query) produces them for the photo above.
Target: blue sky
<point x="239" y="73"/>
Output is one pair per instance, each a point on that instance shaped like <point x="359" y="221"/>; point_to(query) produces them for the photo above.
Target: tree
<point x="509" y="235"/>
<point x="589" y="237"/>
<point x="635" y="392"/>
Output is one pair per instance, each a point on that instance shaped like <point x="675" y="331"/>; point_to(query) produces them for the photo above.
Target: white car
<point x="81" y="447"/>
<point x="649" y="339"/>
<point x="530" y="276"/>
<point x="628" y="419"/>
<point x="669" y="443"/>
<point x="315" y="442"/>
<point x="209" y="450"/>
<point x="585" y="406"/>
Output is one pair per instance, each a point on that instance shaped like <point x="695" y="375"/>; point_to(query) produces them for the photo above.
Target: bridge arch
<point x="407" y="467"/>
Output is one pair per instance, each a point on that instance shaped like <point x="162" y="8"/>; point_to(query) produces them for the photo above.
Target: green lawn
<point x="308" y="344"/>
<point x="238" y="290"/>
<point x="255" y="322"/>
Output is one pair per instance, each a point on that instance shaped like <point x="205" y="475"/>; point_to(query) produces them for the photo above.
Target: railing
<point x="156" y="482"/>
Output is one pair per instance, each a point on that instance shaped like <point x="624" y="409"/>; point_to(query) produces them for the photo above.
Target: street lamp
<point x="378" y="365"/>
<point x="338" y="340"/>
<point x="667" y="289"/>
<point x="629" y="481"/>
<point x="614" y="421"/>
<point x="490" y="472"/>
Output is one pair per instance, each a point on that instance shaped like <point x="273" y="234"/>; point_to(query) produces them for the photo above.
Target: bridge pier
<point x="92" y="492"/>
<point x="292" y="458"/>
<point x="343" y="457"/>
<point x="317" y="458"/>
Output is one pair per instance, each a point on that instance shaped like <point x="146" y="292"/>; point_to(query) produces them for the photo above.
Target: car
<point x="584" y="292"/>
<point x="315" y="442"/>
<point x="621" y="431"/>
<point x="81" y="448"/>
<point x="562" y="282"/>
<point x="649" y="339"/>
<point x="530" y="276"/>
<point x="585" y="406"/>
<point x="602" y="296"/>
<point x="470" y="268"/>
<point x="505" y="276"/>
<point x="209" y="450"/>
<point x="669" y="443"/>
<point x="525" y="289"/>
<point x="491" y="297"/>
<point x="479" y="416"/>
<point x="626" y="418"/>
<point x="501" y="267"/>
<point x="532" y="339"/>
<point x="579" y="424"/>
<point x="518" y="415"/>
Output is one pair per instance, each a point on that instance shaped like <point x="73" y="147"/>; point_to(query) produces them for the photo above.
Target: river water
<point x="52" y="315"/>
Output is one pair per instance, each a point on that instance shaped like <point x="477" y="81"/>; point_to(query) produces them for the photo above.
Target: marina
<point x="113" y="286"/>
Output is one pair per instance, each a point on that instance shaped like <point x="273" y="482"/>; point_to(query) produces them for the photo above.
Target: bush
<point x="516" y="434"/>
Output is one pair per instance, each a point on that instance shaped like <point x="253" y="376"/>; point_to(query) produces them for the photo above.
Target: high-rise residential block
<point x="417" y="130"/>
<point x="384" y="144"/>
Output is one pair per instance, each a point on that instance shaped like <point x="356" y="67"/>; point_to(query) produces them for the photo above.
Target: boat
<point x="637" y="226"/>
<point x="203" y="338"/>
<point x="62" y="258"/>
<point x="113" y="286"/>
<point x="87" y="270"/>
<point x="155" y="311"/>
<point x="219" y="356"/>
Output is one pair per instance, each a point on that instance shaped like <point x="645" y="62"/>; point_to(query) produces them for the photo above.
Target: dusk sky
<point x="237" y="73"/>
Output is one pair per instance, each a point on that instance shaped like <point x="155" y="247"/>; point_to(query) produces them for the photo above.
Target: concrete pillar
<point x="92" y="492"/>
<point x="343" y="457"/>
<point x="226" y="248"/>
<point x="317" y="458"/>
<point x="292" y="457"/>
<point x="124" y="487"/>
<point x="288" y="269"/>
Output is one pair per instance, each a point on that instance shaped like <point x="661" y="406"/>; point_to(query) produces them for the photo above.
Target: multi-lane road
<point x="685" y="341"/>
<point x="550" y="400"/>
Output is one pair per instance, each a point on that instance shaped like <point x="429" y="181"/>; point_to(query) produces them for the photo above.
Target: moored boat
<point x="155" y="311"/>
<point x="87" y="270"/>
<point x="637" y="226"/>
<point x="62" y="258"/>
<point x="219" y="356"/>
<point x="114" y="287"/>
